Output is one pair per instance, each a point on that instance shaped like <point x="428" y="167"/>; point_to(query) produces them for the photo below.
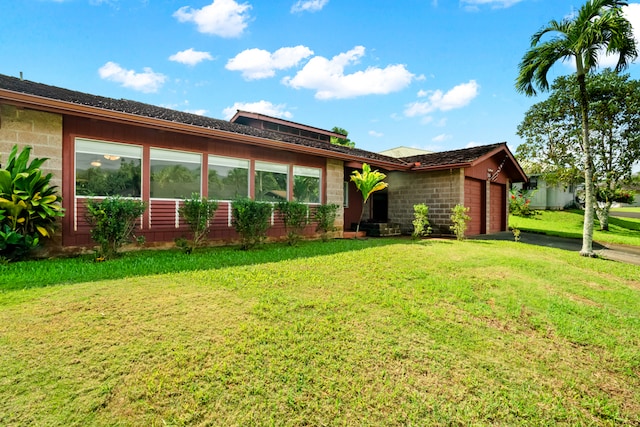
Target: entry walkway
<point x="620" y="253"/>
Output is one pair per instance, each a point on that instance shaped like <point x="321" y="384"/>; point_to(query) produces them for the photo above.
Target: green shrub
<point x="459" y="218"/>
<point x="113" y="221"/>
<point x="198" y="212"/>
<point x="421" y="225"/>
<point x="325" y="217"/>
<point x="251" y="220"/>
<point x="295" y="216"/>
<point x="520" y="201"/>
<point x="29" y="205"/>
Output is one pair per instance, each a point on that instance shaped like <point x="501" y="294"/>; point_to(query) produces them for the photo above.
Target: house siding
<point x="38" y="129"/>
<point x="440" y="191"/>
<point x="160" y="223"/>
<point x="335" y="190"/>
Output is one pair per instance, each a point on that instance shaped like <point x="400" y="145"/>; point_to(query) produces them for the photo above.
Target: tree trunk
<point x="602" y="210"/>
<point x="587" y="231"/>
<point x="360" y="220"/>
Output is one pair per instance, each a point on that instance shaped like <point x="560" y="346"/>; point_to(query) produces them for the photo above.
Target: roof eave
<point x="65" y="107"/>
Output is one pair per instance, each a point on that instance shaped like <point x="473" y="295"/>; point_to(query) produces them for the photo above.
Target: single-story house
<point x="100" y="146"/>
<point x="548" y="196"/>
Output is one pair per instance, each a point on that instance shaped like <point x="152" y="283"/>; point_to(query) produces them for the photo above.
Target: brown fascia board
<point x="57" y="106"/>
<point x="504" y="147"/>
<point x="259" y="116"/>
<point x="441" y="167"/>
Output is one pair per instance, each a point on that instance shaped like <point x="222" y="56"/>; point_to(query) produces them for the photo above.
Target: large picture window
<point x="174" y="174"/>
<point x="271" y="182"/>
<point x="306" y="184"/>
<point x="228" y="178"/>
<point x="107" y="169"/>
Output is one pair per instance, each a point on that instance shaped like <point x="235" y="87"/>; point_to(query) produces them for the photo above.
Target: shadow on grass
<point x="624" y="223"/>
<point x="41" y="273"/>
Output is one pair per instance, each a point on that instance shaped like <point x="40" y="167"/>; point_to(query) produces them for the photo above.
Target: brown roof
<point x="54" y="98"/>
<point x="140" y="109"/>
<point x="454" y="157"/>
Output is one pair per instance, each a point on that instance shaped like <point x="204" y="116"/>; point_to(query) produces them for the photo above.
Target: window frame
<point x="307" y="171"/>
<point x="230" y="160"/>
<point x="193" y="154"/>
<point x="122" y="149"/>
<point x="263" y="166"/>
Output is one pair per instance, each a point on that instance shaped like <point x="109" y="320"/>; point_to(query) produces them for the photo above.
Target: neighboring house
<point x="548" y="196"/>
<point x="402" y="151"/>
<point x="100" y="146"/>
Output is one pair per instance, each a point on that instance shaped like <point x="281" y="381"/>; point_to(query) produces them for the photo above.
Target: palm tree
<point x="367" y="183"/>
<point x="598" y="26"/>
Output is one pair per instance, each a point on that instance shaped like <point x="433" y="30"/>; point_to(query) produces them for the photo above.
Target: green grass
<point x="375" y="332"/>
<point x="625" y="231"/>
<point x="626" y="209"/>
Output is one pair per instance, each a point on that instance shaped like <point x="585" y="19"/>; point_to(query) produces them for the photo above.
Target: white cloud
<point x="224" y="18"/>
<point x="308" y="5"/>
<point x="200" y="112"/>
<point x="328" y="79"/>
<point x="458" y="97"/>
<point x="376" y="134"/>
<point x="441" y="138"/>
<point x="259" y="64"/>
<point x="632" y="13"/>
<point x="147" y="81"/>
<point x="261" y="107"/>
<point x="472" y="144"/>
<point x="190" y="57"/>
<point x="495" y="4"/>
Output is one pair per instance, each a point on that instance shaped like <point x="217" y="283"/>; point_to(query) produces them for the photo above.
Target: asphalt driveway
<point x="620" y="253"/>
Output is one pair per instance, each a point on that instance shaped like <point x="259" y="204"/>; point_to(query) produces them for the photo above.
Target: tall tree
<point x="551" y="130"/>
<point x="342" y="141"/>
<point x="598" y="26"/>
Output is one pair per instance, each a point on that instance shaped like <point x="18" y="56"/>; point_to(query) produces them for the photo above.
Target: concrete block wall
<point x="40" y="130"/>
<point x="335" y="189"/>
<point x="439" y="190"/>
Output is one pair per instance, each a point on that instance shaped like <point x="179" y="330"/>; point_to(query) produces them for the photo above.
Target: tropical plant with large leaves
<point x="367" y="182"/>
<point x="29" y="204"/>
<point x="598" y="26"/>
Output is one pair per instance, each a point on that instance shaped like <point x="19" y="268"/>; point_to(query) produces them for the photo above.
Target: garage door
<point x="497" y="218"/>
<point x="474" y="199"/>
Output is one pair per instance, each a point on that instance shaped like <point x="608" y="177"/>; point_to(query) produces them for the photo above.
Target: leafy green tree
<point x="598" y="25"/>
<point x="295" y="219"/>
<point x="251" y="221"/>
<point x="198" y="212"/>
<point x="325" y="217"/>
<point x="29" y="205"/>
<point x="113" y="221"/>
<point x="551" y="131"/>
<point x="342" y="141"/>
<point x="460" y="221"/>
<point x="421" y="226"/>
<point x="367" y="183"/>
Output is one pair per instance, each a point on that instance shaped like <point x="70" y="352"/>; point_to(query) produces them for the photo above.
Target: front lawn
<point x="625" y="231"/>
<point x="375" y="332"/>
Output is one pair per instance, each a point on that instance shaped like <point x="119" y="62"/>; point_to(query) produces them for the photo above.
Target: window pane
<point x="271" y="182"/>
<point x="228" y="178"/>
<point x="174" y="174"/>
<point x="306" y="184"/>
<point x="107" y="169"/>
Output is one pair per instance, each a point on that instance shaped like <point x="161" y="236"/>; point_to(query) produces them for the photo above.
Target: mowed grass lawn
<point x="569" y="223"/>
<point x="367" y="332"/>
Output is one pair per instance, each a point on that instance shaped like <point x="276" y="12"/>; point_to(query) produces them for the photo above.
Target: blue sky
<point x="432" y="74"/>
